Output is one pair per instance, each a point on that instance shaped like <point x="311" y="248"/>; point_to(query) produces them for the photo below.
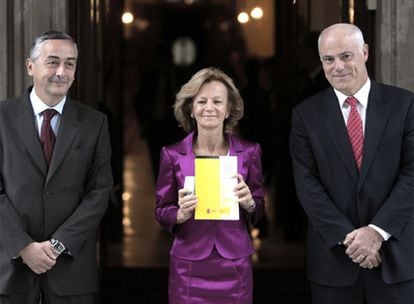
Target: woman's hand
<point x="186" y="203"/>
<point x="242" y="191"/>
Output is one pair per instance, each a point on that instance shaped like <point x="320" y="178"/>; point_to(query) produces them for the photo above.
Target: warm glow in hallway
<point x="145" y="244"/>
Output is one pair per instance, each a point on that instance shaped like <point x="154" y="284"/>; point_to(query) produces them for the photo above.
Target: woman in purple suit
<point x="210" y="259"/>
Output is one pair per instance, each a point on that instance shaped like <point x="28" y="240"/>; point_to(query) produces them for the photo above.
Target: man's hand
<point x="371" y="261"/>
<point x="363" y="246"/>
<point x="39" y="257"/>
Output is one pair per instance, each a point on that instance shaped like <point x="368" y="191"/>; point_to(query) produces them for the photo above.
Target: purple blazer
<point x="194" y="240"/>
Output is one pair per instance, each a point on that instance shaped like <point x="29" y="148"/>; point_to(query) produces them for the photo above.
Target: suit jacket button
<point x="362" y="195"/>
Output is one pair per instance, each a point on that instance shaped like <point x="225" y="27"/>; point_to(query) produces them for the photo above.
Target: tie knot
<point x="352" y="101"/>
<point x="48" y="114"/>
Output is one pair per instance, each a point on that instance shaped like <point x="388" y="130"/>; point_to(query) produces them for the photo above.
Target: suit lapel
<point x="187" y="165"/>
<point x="236" y="149"/>
<point x="25" y="127"/>
<point x="69" y="128"/>
<point x="375" y="122"/>
<point x="335" y="126"/>
<point x="186" y="160"/>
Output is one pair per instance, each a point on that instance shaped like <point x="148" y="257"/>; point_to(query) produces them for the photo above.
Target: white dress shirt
<point x="362" y="97"/>
<point x="39" y="106"/>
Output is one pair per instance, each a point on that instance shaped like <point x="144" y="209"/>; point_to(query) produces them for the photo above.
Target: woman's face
<point x="210" y="106"/>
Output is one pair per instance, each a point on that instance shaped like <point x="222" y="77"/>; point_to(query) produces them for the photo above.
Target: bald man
<point x="352" y="149"/>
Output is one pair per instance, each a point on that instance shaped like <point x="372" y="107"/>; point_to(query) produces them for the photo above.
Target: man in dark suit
<point x="353" y="161"/>
<point x="51" y="202"/>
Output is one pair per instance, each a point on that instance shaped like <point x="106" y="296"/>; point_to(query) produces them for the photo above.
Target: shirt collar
<point x="361" y="95"/>
<point x="39" y="106"/>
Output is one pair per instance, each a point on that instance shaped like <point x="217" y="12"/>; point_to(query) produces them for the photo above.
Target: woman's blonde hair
<point x="184" y="99"/>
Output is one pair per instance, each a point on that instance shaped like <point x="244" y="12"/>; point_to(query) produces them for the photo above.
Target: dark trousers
<point x="42" y="294"/>
<point x="368" y="289"/>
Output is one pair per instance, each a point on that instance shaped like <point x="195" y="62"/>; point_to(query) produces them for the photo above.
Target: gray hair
<point x="347" y="27"/>
<point x="50" y="35"/>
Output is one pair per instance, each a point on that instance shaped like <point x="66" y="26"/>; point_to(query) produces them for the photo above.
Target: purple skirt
<point x="214" y="280"/>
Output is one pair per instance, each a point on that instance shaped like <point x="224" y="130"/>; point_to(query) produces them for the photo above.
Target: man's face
<point x="53" y="71"/>
<point x="343" y="61"/>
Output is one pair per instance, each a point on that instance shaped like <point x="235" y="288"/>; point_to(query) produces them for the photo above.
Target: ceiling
<point x="183" y="2"/>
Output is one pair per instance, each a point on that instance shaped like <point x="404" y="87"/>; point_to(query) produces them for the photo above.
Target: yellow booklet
<point x="214" y="188"/>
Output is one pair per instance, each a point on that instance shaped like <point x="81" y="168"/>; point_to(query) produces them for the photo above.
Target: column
<point x="395" y="43"/>
<point x="20" y="22"/>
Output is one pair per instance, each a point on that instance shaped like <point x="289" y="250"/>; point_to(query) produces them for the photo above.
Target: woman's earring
<point x="227" y="116"/>
<point x="192" y="115"/>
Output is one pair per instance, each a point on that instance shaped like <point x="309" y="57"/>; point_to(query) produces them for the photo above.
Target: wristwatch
<point x="58" y="246"/>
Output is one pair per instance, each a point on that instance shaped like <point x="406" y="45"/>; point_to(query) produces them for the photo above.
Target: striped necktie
<point x="355" y="131"/>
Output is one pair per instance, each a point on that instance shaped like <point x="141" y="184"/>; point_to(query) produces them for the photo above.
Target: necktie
<point x="47" y="137"/>
<point x="355" y="132"/>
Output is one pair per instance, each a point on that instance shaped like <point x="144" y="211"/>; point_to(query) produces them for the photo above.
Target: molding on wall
<point x="395" y="58"/>
<point x="20" y="22"/>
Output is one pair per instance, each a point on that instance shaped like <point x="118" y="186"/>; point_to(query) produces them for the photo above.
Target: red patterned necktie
<point x="47" y="137"/>
<point x="355" y="132"/>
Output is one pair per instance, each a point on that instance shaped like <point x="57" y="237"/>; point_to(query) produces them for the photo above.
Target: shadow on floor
<point x="150" y="285"/>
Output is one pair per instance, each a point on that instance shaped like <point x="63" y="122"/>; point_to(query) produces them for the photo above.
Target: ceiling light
<point x="256" y="13"/>
<point x="127" y="18"/>
<point x="243" y="17"/>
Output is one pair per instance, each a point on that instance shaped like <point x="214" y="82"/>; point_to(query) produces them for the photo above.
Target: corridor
<point x="136" y="269"/>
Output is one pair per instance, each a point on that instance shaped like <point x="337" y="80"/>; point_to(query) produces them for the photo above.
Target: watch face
<point x="58" y="247"/>
<point x="184" y="51"/>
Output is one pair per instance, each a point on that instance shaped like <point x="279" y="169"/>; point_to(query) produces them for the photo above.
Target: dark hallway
<point x="274" y="62"/>
<point x="136" y="269"/>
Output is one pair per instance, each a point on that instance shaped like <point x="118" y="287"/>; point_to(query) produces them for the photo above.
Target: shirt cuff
<point x="385" y="235"/>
